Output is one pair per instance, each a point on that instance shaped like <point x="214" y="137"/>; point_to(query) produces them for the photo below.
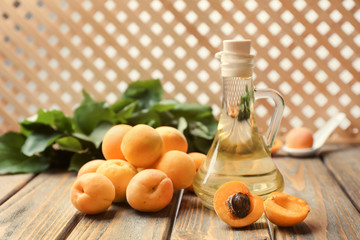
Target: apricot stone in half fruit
<point x="92" y="193"/>
<point x="285" y="210"/>
<point x="236" y="206"/>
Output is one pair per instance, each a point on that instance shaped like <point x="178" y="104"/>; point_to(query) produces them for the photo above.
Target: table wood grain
<point x="344" y="163"/>
<point x="38" y="206"/>
<point x="332" y="213"/>
<point x="10" y="184"/>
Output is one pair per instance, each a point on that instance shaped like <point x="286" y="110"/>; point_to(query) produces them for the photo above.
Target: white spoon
<point x="320" y="137"/>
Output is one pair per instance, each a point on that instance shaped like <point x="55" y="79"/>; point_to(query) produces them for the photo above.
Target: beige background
<point x="307" y="50"/>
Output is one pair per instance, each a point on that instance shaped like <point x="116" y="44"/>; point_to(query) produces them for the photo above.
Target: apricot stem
<point x="239" y="204"/>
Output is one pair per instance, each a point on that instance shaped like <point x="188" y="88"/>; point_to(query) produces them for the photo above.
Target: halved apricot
<point x="285" y="210"/>
<point x="236" y="206"/>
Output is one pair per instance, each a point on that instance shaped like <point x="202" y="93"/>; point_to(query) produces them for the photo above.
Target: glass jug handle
<point x="277" y="114"/>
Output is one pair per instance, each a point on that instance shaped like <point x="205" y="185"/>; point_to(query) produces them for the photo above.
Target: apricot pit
<point x="236" y="206"/>
<point x="239" y="204"/>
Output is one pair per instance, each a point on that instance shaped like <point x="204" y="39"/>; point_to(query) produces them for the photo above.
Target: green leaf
<point x="54" y="118"/>
<point x="69" y="143"/>
<point x="182" y="124"/>
<point x="148" y="92"/>
<point x="13" y="161"/>
<point x="62" y="123"/>
<point x="126" y="112"/>
<point x="90" y="113"/>
<point x="145" y="116"/>
<point x="200" y="130"/>
<point x="120" y="104"/>
<point x="191" y="110"/>
<point x="38" y="141"/>
<point x="164" y="105"/>
<point x="87" y="99"/>
<point x="96" y="135"/>
<point x="77" y="160"/>
<point x="13" y="139"/>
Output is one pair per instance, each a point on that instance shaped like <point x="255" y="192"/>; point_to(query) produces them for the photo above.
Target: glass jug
<point x="239" y="152"/>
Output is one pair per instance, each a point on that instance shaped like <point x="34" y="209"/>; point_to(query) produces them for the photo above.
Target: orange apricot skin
<point x="142" y="146"/>
<point x="179" y="167"/>
<point x="92" y="193"/>
<point x="300" y="137"/>
<point x="149" y="191"/>
<point x="198" y="159"/>
<point x="119" y="172"/>
<point x="285" y="210"/>
<point x="222" y="210"/>
<point x="173" y="139"/>
<point x="90" y="167"/>
<point x="112" y="141"/>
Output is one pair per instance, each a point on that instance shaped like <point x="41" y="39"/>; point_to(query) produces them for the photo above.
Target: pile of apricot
<point x="236" y="206"/>
<point x="143" y="166"/>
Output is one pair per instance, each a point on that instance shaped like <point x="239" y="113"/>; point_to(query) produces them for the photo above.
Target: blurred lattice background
<point x="307" y="50"/>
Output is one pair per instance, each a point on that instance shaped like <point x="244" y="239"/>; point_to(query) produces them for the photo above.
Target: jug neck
<point x="238" y="97"/>
<point x="234" y="64"/>
<point x="237" y="83"/>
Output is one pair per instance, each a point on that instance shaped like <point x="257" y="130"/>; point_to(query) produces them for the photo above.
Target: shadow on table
<point x="302" y="228"/>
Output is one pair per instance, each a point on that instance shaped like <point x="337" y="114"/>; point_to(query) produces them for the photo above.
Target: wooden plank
<point x="10" y="184"/>
<point x="344" y="164"/>
<point x="332" y="215"/>
<point x="40" y="210"/>
<point x="123" y="222"/>
<point x="194" y="221"/>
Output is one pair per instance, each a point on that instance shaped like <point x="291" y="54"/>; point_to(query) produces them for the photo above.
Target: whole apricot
<point x="112" y="141"/>
<point x="90" y="167"/>
<point x="198" y="159"/>
<point x="179" y="167"/>
<point x="236" y="206"/>
<point x="149" y="191"/>
<point x="92" y="193"/>
<point x="119" y="172"/>
<point x="142" y="146"/>
<point x="173" y="139"/>
<point x="300" y="137"/>
<point x="276" y="146"/>
<point x="285" y="210"/>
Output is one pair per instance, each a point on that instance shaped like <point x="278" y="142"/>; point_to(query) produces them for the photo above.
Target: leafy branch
<point x="52" y="140"/>
<point x="244" y="112"/>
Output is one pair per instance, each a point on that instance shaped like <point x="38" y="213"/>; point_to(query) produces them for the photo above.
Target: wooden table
<point x="38" y="207"/>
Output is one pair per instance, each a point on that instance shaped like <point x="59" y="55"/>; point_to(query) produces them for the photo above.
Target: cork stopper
<point x="236" y="60"/>
<point x="241" y="47"/>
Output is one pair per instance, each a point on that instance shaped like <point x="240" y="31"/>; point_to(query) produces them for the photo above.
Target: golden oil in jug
<point x="238" y="151"/>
